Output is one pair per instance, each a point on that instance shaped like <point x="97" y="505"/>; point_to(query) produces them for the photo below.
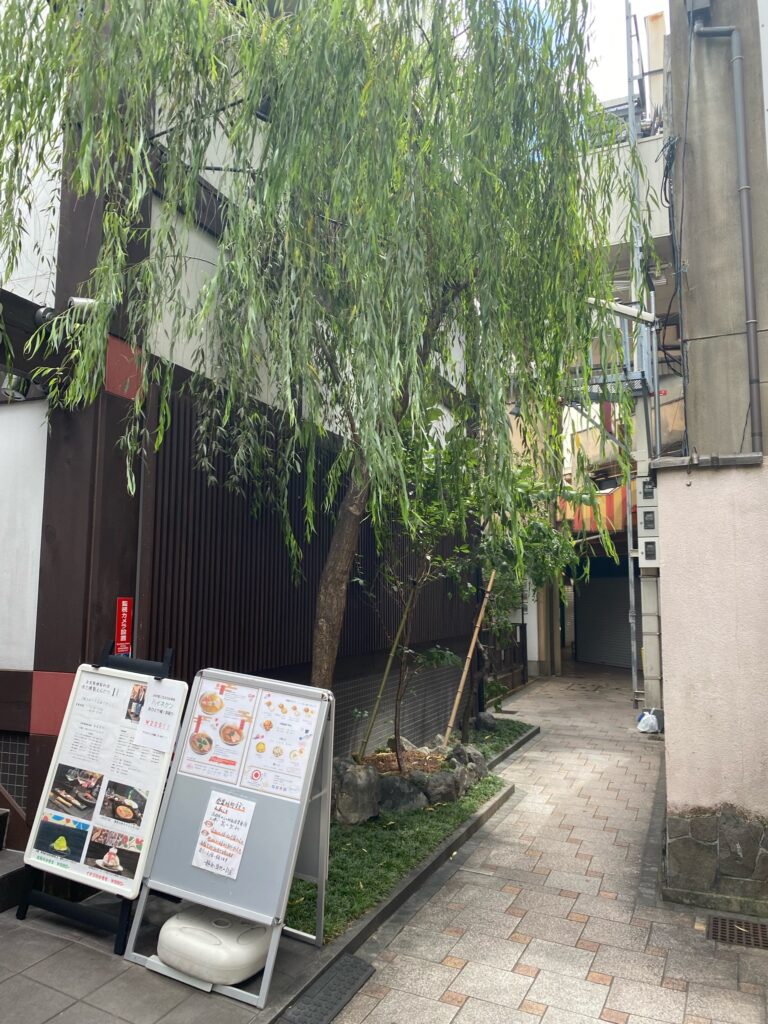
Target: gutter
<point x="745" y="204"/>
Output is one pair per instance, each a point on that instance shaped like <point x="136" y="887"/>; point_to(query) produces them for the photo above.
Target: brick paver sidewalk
<point x="549" y="917"/>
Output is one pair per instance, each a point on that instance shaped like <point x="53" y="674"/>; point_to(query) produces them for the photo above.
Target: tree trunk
<point x="334" y="581"/>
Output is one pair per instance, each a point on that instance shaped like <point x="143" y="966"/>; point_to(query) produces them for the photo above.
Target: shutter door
<point x="602" y="622"/>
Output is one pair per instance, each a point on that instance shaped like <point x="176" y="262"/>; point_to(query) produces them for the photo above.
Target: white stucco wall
<point x="714" y="611"/>
<point x="34" y="276"/>
<point x="23" y="436"/>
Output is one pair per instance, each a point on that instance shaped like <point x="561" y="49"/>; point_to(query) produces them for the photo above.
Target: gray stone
<point x="691" y="865"/>
<point x="486" y="722"/>
<point x="355" y="793"/>
<point x="761" y="866"/>
<point x="473" y="773"/>
<point x="420" y="779"/>
<point x="704" y="827"/>
<point x="739" y="843"/>
<point x="459" y="754"/>
<point x="442" y="788"/>
<point x="462" y="781"/>
<point x="404" y="744"/>
<point x="677" y="827"/>
<point x="399" y="794"/>
<point x="477" y="759"/>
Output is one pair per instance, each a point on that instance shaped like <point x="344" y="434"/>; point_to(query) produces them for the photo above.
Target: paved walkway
<point x="547" y="914"/>
<point x="551" y="916"/>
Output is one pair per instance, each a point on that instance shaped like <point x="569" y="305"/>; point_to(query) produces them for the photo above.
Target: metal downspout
<point x="745" y="204"/>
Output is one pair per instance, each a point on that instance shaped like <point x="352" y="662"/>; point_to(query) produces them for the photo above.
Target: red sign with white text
<point x="123" y="625"/>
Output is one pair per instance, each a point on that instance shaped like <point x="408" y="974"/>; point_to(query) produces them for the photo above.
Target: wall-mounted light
<point x="15" y="387"/>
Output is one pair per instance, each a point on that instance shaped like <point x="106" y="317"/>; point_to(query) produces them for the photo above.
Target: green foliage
<point x="416" y="215"/>
<point x="368" y="860"/>
<point x="492" y="743"/>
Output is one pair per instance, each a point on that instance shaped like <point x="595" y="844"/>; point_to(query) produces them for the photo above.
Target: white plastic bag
<point x="648" y="722"/>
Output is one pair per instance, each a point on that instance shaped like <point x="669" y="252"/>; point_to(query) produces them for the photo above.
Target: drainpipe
<point x="745" y="202"/>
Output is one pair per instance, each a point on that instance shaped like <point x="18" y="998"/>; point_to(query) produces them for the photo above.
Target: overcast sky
<point x="608" y="42"/>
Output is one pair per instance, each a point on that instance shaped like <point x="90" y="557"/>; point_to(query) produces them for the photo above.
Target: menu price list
<point x="250" y="737"/>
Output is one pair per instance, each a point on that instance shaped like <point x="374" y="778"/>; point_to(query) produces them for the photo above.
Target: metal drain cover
<point x="737" y="932"/>
<point x="327" y="997"/>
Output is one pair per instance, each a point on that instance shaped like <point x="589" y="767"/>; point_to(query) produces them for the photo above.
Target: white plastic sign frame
<point x="102" y="794"/>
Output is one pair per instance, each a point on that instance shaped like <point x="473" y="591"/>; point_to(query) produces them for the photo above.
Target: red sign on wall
<point x="123" y="625"/>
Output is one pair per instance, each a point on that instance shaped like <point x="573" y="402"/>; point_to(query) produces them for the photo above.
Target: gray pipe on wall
<point x="745" y="204"/>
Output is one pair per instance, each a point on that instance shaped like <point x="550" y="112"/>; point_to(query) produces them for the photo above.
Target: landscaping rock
<point x="419" y="779"/>
<point x="459" y="754"/>
<point x="478" y="760"/>
<point x="355" y="791"/>
<point x="704" y="827"/>
<point x="442" y="788"/>
<point x="473" y="773"/>
<point x="485" y="722"/>
<point x="399" y="794"/>
<point x="462" y="781"/>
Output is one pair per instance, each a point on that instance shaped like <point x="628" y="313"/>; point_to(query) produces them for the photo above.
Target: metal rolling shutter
<point x="602" y="622"/>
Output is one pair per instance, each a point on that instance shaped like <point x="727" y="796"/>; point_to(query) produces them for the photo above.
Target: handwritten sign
<point x="223" y="834"/>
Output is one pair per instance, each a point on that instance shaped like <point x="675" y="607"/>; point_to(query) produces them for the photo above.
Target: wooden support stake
<point x="467" y="663"/>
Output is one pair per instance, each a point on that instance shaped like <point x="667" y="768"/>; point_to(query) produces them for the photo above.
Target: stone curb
<point x="354" y="937"/>
<point x="519" y="742"/>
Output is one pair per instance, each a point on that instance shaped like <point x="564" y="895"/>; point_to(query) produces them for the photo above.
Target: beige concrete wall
<point x="714" y="604"/>
<point x="712" y="286"/>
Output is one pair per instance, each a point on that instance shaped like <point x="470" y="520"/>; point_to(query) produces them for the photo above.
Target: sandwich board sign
<point x="101" y="798"/>
<point x="247" y="808"/>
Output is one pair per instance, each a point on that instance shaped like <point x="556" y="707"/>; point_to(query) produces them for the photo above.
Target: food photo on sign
<point x="61" y="836"/>
<point x="74" y="791"/>
<point x="114" y="852"/>
<point x="124" y="803"/>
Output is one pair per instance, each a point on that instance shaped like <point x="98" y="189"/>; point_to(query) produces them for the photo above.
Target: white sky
<point x="608" y="42"/>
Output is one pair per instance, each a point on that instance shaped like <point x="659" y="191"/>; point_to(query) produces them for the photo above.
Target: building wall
<point x="23" y="438"/>
<point x="712" y="283"/>
<point x="34" y="276"/>
<point x="714" y="600"/>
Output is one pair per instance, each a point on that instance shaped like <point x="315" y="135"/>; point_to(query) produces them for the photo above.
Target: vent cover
<point x="753" y="934"/>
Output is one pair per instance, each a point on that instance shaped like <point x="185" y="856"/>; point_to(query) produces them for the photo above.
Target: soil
<point x="413" y="761"/>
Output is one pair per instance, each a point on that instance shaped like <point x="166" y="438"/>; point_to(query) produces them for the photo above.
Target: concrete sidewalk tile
<point x="675" y="984"/>
<point x="614" y="1016"/>
<point x="599" y="978"/>
<point x="568" y="993"/>
<point x="588" y="945"/>
<point x="613" y="933"/>
<point x="573" y="882"/>
<point x="356" y="1010"/>
<point x="545" y="902"/>
<point x="453" y="998"/>
<point x="529" y="1006"/>
<point x="557" y="1015"/>
<point x="601" y="906"/>
<point x="425" y="943"/>
<point x="206" y="1008"/>
<point x="27" y="1001"/>
<point x="478" y="1011"/>
<point x="139" y="996"/>
<point x="623" y="963"/>
<point x="722" y="1005"/>
<point x="647" y="1001"/>
<point x="21" y="947"/>
<point x="489" y="922"/>
<point x="701" y="967"/>
<point x="555" y="929"/>
<point x="453" y="961"/>
<point x="419" y="977"/>
<point x="553" y="956"/>
<point x="480" y="896"/>
<point x="483" y="982"/>
<point x="406" y="1008"/>
<point x="753" y="968"/>
<point x="486" y="949"/>
<point x="77" y="970"/>
<point x="81" y="1013"/>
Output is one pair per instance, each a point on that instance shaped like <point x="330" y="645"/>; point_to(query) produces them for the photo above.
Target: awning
<point x="613" y="509"/>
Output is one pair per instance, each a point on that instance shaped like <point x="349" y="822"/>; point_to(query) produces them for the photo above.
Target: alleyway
<point x="552" y="915"/>
<point x="548" y="914"/>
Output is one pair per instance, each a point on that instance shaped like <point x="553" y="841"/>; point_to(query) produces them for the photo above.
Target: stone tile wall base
<point x="717" y="858"/>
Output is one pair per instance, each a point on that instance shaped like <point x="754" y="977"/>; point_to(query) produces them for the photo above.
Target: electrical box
<point x="646" y="493"/>
<point x="648" y="548"/>
<point x="647" y="521"/>
<point x="699" y="10"/>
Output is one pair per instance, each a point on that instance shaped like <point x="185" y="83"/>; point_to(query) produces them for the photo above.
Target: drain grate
<point x="736" y="932"/>
<point x="330" y="993"/>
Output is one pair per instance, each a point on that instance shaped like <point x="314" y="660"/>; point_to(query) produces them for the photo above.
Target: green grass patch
<point x="492" y="743"/>
<point x="367" y="861"/>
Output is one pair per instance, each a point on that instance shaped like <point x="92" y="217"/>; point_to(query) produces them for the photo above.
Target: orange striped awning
<point x="613" y="509"/>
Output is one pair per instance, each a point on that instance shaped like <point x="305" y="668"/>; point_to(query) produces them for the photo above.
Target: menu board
<point x="250" y="737"/>
<point x="102" y="794"/>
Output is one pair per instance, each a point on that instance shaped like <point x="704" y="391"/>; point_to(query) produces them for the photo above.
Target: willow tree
<point x="416" y="206"/>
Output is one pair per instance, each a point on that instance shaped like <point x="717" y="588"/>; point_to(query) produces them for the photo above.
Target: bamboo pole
<point x="465" y="673"/>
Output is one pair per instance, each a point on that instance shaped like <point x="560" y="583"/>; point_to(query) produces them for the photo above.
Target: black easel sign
<point x="101" y="798"/>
